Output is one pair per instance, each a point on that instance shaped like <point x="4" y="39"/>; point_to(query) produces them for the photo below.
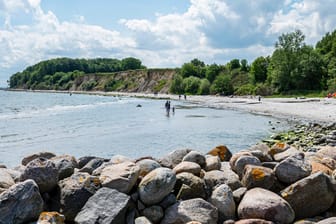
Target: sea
<point x="104" y="126"/>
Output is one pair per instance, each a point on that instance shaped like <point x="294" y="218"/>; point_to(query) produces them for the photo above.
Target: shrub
<point x="204" y="88"/>
<point x="191" y="84"/>
<point x="247" y="89"/>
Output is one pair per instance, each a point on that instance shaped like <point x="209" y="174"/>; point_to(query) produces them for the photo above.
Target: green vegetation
<point x="293" y="69"/>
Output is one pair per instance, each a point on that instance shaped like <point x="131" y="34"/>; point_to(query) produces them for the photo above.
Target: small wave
<point x="8" y="135"/>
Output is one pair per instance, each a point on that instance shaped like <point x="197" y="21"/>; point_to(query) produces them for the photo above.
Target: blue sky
<point x="162" y="33"/>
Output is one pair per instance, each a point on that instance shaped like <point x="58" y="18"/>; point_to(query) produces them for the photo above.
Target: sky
<point x="161" y="33"/>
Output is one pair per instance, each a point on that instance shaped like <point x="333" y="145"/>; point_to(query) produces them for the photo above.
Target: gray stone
<point x="242" y="161"/>
<point x="82" y="161"/>
<point x="106" y="206"/>
<point x="142" y="220"/>
<point x="239" y="194"/>
<point x="75" y="191"/>
<point x="212" y="163"/>
<point x="43" y="172"/>
<point x="195" y="157"/>
<point x="189" y="167"/>
<point x="173" y="158"/>
<point x="6" y="180"/>
<point x="215" y="178"/>
<point x="116" y="159"/>
<point x="21" y="203"/>
<point x="121" y="177"/>
<point x="93" y="164"/>
<point x="237" y="155"/>
<point x="291" y="151"/>
<point x="189" y="186"/>
<point x="169" y="200"/>
<point x="146" y="166"/>
<point x="232" y="178"/>
<point x="156" y="185"/>
<point x="270" y="165"/>
<point x="310" y="196"/>
<point x="222" y="199"/>
<point x="258" y="176"/>
<point x="191" y="210"/>
<point x="264" y="204"/>
<point x="65" y="165"/>
<point x="46" y="155"/>
<point x="293" y="169"/>
<point x="154" y="213"/>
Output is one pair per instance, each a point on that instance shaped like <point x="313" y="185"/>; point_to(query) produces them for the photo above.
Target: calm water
<point x="104" y="126"/>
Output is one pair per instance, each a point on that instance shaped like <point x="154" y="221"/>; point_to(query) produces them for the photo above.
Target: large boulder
<point x="121" y="177"/>
<point x="6" y="180"/>
<point x="222" y="152"/>
<point x="278" y="148"/>
<point x="189" y="167"/>
<point x="75" y="191"/>
<point x="91" y="165"/>
<point x="189" y="186"/>
<point x="191" y="210"/>
<point x="173" y="158"/>
<point x="291" y="151"/>
<point x="195" y="157"/>
<point x="222" y="199"/>
<point x="212" y="163"/>
<point x="142" y="220"/>
<point x="327" y="151"/>
<point x="215" y="178"/>
<point x="261" y="152"/>
<point x="293" y="168"/>
<point x="65" y="165"/>
<point x="258" y="176"/>
<point x="156" y="185"/>
<point x="263" y="204"/>
<point x="46" y="155"/>
<point x="43" y="172"/>
<point x="242" y="161"/>
<point x="105" y="206"/>
<point x="154" y="213"/>
<point x="310" y="196"/>
<point x="146" y="166"/>
<point x="21" y="203"/>
<point x="51" y="218"/>
<point x="232" y="178"/>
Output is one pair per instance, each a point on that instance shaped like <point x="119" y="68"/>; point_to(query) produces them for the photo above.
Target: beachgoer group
<point x="167" y="106"/>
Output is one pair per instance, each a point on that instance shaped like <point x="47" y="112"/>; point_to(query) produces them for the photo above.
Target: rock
<point x="51" y="218"/>
<point x="291" y="151"/>
<point x="156" y="185"/>
<point x="232" y="178"/>
<point x="46" y="155"/>
<point x="169" y="200"/>
<point x="189" y="186"/>
<point x="242" y="161"/>
<point x="212" y="163"/>
<point x="189" y="167"/>
<point x="253" y="221"/>
<point x="327" y="221"/>
<point x="327" y="151"/>
<point x="222" y="199"/>
<point x="99" y="170"/>
<point x="238" y="194"/>
<point x="263" y="204"/>
<point x="65" y="165"/>
<point x="237" y="155"/>
<point x="3" y="166"/>
<point x="270" y="165"/>
<point x="173" y="158"/>
<point x="258" y="176"/>
<point x="105" y="206"/>
<point x="75" y="191"/>
<point x="292" y="169"/>
<point x="222" y="152"/>
<point x="116" y="159"/>
<point x="93" y="164"/>
<point x="261" y="152"/>
<point x="154" y="213"/>
<point x="6" y="180"/>
<point x="21" y="203"/>
<point x="146" y="166"/>
<point x="16" y="173"/>
<point x="191" y="210"/>
<point x="213" y="179"/>
<point x="142" y="220"/>
<point x="277" y="148"/>
<point x="82" y="161"/>
<point x="43" y="172"/>
<point x="121" y="177"/>
<point x="310" y="196"/>
<point x="319" y="167"/>
<point x="195" y="157"/>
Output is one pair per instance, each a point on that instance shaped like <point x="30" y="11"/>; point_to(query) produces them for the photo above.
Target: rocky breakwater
<point x="262" y="184"/>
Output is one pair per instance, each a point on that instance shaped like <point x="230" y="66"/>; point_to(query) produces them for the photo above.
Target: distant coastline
<point x="318" y="110"/>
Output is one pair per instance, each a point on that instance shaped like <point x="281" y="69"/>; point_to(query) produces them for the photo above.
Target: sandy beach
<point x="320" y="110"/>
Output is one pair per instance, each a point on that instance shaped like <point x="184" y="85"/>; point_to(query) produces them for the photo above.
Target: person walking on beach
<point x="167" y="106"/>
<point x="185" y="97"/>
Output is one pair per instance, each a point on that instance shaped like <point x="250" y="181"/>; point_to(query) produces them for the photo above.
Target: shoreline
<point x="316" y="110"/>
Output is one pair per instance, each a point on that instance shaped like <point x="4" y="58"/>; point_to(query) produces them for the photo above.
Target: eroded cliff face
<point x="146" y="80"/>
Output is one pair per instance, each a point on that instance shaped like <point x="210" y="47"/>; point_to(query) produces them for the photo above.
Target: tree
<point x="177" y="84"/>
<point x="130" y="63"/>
<point x="204" y="88"/>
<point x="222" y="85"/>
<point x="259" y="69"/>
<point x="234" y="63"/>
<point x="211" y="72"/>
<point x="191" y="84"/>
<point x="244" y="65"/>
